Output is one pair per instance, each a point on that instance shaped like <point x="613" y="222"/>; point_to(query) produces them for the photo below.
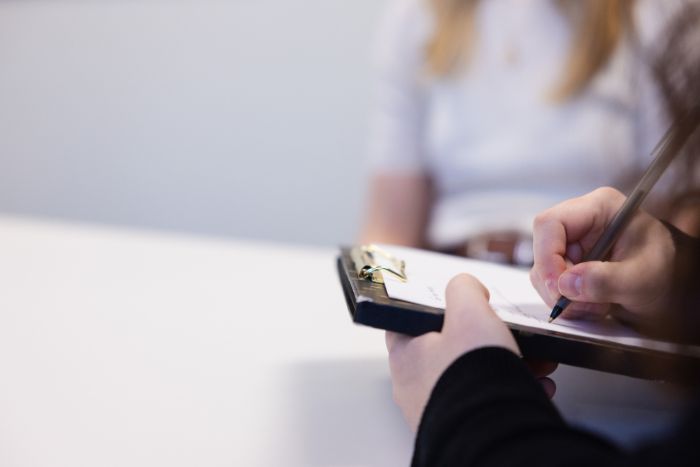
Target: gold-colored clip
<point x="371" y="262"/>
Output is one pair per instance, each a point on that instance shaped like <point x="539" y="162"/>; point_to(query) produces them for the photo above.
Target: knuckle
<point x="603" y="190"/>
<point x="541" y="219"/>
<point x="534" y="277"/>
<point x="607" y="192"/>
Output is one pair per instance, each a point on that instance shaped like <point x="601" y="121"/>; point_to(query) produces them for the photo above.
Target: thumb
<point x="465" y="297"/>
<point x="596" y="282"/>
<point x="470" y="322"/>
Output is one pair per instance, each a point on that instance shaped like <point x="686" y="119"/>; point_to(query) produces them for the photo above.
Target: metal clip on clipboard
<point x="371" y="262"/>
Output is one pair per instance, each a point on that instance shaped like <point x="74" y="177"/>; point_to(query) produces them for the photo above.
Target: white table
<point x="130" y="348"/>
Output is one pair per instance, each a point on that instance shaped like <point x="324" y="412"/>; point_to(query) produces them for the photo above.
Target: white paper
<point x="512" y="297"/>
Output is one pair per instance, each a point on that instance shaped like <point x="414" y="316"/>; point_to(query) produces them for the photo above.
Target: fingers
<point x="395" y="340"/>
<point x="465" y="297"/>
<point x="465" y="286"/>
<point x="541" y="368"/>
<point x="590" y="311"/>
<point x="547" y="289"/>
<point x="548" y="385"/>
<point x="564" y="232"/>
<point x="470" y="322"/>
<point x="574" y="252"/>
<point x="600" y="282"/>
<point x="549" y="249"/>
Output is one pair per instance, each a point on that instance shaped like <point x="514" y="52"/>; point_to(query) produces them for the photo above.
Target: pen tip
<point x="555" y="313"/>
<point x="550" y="320"/>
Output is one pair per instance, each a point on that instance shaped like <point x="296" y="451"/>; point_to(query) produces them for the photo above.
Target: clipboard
<point x="361" y="271"/>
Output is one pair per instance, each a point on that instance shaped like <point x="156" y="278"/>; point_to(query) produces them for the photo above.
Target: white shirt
<point x="498" y="149"/>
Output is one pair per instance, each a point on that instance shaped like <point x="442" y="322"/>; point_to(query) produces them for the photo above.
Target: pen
<point x="664" y="152"/>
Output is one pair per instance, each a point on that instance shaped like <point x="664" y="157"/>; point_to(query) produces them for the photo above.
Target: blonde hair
<point x="598" y="26"/>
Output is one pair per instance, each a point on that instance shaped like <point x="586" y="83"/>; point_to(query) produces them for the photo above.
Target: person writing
<point x="473" y="401"/>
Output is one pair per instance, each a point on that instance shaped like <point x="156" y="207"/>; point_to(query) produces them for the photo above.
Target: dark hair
<point x="676" y="67"/>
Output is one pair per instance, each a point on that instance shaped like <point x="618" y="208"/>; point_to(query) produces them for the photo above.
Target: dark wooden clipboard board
<point x="369" y="305"/>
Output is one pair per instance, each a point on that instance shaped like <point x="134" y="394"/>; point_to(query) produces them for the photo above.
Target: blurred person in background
<point x="488" y="112"/>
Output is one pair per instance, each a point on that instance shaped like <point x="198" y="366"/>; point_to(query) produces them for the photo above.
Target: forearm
<point x="487" y="410"/>
<point x="397" y="210"/>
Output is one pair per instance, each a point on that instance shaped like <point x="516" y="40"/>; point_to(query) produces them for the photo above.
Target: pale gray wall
<point x="244" y="118"/>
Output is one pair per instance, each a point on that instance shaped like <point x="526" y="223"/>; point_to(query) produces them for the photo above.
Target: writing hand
<point x="636" y="277"/>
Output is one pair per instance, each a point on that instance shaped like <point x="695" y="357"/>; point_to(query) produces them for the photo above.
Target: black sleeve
<point x="487" y="410"/>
